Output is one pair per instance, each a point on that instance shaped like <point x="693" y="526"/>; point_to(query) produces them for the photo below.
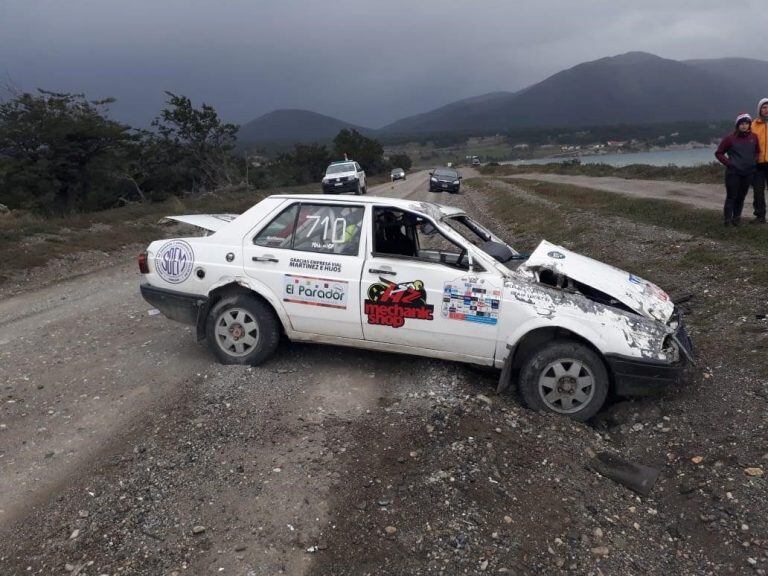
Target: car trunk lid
<point x="209" y="222"/>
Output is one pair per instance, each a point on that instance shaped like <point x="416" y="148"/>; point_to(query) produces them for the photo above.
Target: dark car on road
<point x="444" y="179"/>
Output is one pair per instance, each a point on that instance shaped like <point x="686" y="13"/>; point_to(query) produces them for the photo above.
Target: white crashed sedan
<point x="418" y="278"/>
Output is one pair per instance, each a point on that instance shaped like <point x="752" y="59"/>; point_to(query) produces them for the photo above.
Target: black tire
<point x="365" y="189"/>
<point x="229" y="315"/>
<point x="358" y="190"/>
<point x="573" y="373"/>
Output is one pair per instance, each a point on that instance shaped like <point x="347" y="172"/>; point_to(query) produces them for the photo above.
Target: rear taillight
<point x="143" y="263"/>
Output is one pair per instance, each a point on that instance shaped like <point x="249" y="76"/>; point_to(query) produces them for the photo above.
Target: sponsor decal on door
<point x="315" y="291"/>
<point x="471" y="301"/>
<point x="390" y="304"/>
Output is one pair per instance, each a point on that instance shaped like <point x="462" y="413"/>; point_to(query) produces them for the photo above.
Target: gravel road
<point x="87" y="374"/>
<point x="125" y="449"/>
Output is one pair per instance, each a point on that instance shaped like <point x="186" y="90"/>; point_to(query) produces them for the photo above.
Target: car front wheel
<point x="565" y="377"/>
<point x="242" y="330"/>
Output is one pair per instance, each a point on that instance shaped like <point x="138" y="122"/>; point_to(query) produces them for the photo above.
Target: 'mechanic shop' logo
<point x="390" y="304"/>
<point x="174" y="261"/>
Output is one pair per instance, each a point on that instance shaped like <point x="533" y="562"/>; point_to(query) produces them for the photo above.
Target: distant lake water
<point x="693" y="157"/>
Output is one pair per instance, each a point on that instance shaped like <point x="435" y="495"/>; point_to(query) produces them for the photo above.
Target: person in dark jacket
<point x="739" y="153"/>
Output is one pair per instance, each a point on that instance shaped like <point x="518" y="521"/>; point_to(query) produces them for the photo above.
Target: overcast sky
<point x="362" y="61"/>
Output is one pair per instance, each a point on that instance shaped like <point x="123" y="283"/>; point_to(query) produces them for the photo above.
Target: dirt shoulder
<point x="709" y="196"/>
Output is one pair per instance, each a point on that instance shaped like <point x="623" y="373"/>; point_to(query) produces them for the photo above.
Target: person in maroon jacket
<point x="739" y="153"/>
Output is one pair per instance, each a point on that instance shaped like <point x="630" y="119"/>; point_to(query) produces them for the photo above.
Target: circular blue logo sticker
<point x="174" y="261"/>
<point x="555" y="254"/>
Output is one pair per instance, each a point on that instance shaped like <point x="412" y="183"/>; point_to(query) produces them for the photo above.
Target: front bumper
<point x="636" y="377"/>
<point x="340" y="187"/>
<point x="443" y="186"/>
<point x="175" y="305"/>
<point x="643" y="377"/>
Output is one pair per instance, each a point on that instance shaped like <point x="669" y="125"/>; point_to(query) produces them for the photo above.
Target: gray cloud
<point x="365" y="62"/>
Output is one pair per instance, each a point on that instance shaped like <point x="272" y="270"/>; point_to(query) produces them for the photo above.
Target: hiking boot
<point x="757" y="221"/>
<point x="726" y="223"/>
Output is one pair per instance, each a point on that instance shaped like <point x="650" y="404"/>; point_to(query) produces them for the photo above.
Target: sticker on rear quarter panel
<point x="174" y="261"/>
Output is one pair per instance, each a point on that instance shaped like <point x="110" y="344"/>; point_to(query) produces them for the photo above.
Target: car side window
<point x="402" y="234"/>
<point x="357" y="167"/>
<point x="329" y="229"/>
<point x="279" y="232"/>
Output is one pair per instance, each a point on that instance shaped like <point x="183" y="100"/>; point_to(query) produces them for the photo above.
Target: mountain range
<point x="632" y="88"/>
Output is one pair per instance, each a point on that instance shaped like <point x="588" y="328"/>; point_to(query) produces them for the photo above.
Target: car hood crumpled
<point x="642" y="296"/>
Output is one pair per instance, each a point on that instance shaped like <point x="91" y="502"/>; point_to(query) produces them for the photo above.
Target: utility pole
<point x="247" y="182"/>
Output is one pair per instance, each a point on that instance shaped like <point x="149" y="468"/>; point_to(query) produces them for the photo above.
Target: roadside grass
<point x="711" y="173"/>
<point x="724" y="277"/>
<point x="527" y="217"/>
<point x="723" y="257"/>
<point x="665" y="213"/>
<point x="712" y="262"/>
<point x="28" y="240"/>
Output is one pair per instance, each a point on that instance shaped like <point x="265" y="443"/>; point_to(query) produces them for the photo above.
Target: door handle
<point x="265" y="259"/>
<point x="384" y="272"/>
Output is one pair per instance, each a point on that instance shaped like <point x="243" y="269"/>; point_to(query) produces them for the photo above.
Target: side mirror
<point x="460" y="177"/>
<point x="431" y="173"/>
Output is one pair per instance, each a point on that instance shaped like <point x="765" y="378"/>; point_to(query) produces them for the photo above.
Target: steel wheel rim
<point x="237" y="332"/>
<point x="566" y="385"/>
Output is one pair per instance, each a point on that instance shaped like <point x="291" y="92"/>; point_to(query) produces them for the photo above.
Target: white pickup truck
<point x="418" y="278"/>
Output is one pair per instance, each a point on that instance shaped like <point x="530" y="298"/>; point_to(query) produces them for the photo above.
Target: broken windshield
<point x="483" y="239"/>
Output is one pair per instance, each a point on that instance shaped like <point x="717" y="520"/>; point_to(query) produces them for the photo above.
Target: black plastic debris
<point x="637" y="477"/>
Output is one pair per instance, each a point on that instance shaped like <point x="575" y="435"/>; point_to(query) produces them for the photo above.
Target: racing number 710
<point x="325" y="221"/>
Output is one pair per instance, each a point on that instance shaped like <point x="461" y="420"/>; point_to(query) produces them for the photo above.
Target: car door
<point x="361" y="175"/>
<point x="308" y="256"/>
<point x="415" y="292"/>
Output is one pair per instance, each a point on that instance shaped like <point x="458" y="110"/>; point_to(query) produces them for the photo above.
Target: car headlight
<point x="433" y="179"/>
<point x="455" y="182"/>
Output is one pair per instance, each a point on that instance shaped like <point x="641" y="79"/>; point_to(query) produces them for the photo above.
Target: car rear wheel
<point x="565" y="377"/>
<point x="242" y="330"/>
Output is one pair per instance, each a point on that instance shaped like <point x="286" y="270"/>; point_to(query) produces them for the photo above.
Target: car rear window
<point x="337" y="168"/>
<point x="323" y="228"/>
<point x="279" y="232"/>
